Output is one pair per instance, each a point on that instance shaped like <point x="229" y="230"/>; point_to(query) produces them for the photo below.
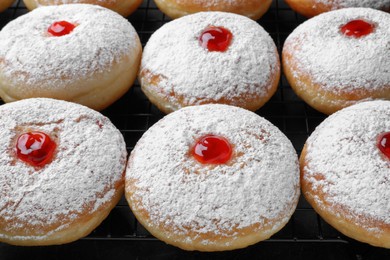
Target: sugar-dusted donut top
<point x="188" y="70"/>
<point x="339" y="63"/>
<point x="376" y="4"/>
<point x="356" y="175"/>
<point x="30" y="55"/>
<point x="203" y="2"/>
<point x="74" y="1"/>
<point x="210" y="3"/>
<point x="258" y="185"/>
<point x="85" y="173"/>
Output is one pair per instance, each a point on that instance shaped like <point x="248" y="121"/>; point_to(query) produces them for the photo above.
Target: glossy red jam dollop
<point x="60" y="28"/>
<point x="357" y="28"/>
<point x="384" y="144"/>
<point x="35" y="148"/>
<point x="215" y="38"/>
<point x="212" y="149"/>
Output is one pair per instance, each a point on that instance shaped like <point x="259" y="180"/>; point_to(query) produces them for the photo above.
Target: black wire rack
<point x="306" y="236"/>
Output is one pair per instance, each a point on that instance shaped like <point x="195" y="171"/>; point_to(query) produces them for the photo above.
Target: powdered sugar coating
<point x="339" y="63"/>
<point x="57" y="2"/>
<point x="84" y="175"/>
<point x="189" y="71"/>
<point x="354" y="173"/>
<point x="259" y="184"/>
<point x="30" y="56"/>
<point x="210" y="3"/>
<point x="336" y="4"/>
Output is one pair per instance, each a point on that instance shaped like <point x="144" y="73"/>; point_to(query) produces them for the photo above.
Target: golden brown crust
<point x="335" y="215"/>
<point x="191" y="240"/>
<point x="316" y="96"/>
<point x="123" y="7"/>
<point x="310" y="8"/>
<point x="49" y="235"/>
<point x="97" y="92"/>
<point x="150" y="86"/>
<point x="247" y="236"/>
<point x="251" y="8"/>
<point x="4" y="4"/>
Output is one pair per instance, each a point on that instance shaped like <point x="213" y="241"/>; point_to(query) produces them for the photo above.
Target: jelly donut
<point x="345" y="169"/>
<point x="62" y="171"/>
<point x="123" y="7"/>
<point x="212" y="178"/>
<point x="210" y="57"/>
<point x="310" y="8"/>
<point x="81" y="53"/>
<point x="251" y="8"/>
<point x="339" y="58"/>
<point x="4" y="4"/>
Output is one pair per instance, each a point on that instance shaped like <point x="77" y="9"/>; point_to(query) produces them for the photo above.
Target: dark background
<point x="120" y="236"/>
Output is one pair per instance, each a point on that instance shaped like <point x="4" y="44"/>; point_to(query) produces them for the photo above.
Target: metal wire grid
<point x="133" y="114"/>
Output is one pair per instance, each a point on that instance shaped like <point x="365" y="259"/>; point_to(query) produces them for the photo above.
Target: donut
<point x="177" y="8"/>
<point x="4" y="4"/>
<point x="310" y="8"/>
<point x="209" y="57"/>
<point x="212" y="177"/>
<point x="123" y="7"/>
<point x="345" y="169"/>
<point x="62" y="171"/>
<point x="81" y="53"/>
<point x="339" y="58"/>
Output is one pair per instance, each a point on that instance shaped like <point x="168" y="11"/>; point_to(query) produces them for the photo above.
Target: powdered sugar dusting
<point x="57" y="2"/>
<point x="258" y="184"/>
<point x="190" y="71"/>
<point x="339" y="63"/>
<point x="376" y="4"/>
<point x="88" y="163"/>
<point x="29" y="55"/>
<point x="356" y="174"/>
<point x="210" y="3"/>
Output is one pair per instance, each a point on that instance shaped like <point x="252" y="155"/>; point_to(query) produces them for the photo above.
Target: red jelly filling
<point x="384" y="144"/>
<point x="60" y="28"/>
<point x="35" y="148"/>
<point x="357" y="28"/>
<point x="212" y="149"/>
<point x="215" y="38"/>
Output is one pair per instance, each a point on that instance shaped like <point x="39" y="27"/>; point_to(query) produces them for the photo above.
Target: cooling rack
<point x="306" y="236"/>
